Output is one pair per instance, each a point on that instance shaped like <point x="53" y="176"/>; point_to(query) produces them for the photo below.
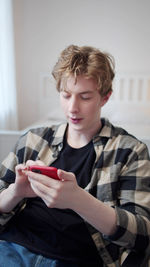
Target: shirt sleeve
<point x="133" y="212"/>
<point x="27" y="147"/>
<point x="7" y="176"/>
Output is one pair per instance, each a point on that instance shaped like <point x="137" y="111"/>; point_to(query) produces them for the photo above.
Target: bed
<point x="129" y="107"/>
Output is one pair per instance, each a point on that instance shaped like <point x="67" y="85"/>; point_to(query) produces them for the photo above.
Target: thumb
<point x="19" y="168"/>
<point x="66" y="176"/>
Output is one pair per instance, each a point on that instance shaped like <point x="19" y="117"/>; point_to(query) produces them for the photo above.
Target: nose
<point x="73" y="105"/>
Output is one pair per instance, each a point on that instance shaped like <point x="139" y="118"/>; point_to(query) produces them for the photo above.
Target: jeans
<point x="14" y="255"/>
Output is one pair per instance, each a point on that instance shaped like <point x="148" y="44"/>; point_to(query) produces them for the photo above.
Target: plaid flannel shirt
<point x="120" y="178"/>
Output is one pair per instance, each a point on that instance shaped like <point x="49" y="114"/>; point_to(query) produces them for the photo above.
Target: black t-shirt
<point x="58" y="233"/>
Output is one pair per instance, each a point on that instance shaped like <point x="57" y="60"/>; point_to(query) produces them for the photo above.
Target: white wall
<point x="44" y="27"/>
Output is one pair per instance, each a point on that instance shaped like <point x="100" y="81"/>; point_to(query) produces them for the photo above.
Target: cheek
<point x="63" y="104"/>
<point x="95" y="107"/>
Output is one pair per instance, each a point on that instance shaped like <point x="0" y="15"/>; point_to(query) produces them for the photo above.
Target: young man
<point x="98" y="213"/>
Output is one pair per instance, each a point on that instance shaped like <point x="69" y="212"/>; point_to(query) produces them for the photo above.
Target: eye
<point x="65" y="95"/>
<point x="86" y="97"/>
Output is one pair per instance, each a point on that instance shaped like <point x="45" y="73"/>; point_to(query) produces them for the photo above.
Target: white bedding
<point x="9" y="138"/>
<point x="128" y="107"/>
<point x="140" y="131"/>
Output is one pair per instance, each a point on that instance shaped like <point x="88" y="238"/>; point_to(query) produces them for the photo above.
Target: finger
<point x="40" y="189"/>
<point x="34" y="187"/>
<point x="45" y="180"/>
<point x="66" y="176"/>
<point x="39" y="162"/>
<point x="30" y="162"/>
<point x="20" y="167"/>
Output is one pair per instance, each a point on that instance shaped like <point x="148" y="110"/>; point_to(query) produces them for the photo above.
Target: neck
<point x="79" y="139"/>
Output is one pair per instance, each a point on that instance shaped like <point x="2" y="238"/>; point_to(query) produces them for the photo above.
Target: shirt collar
<point x="59" y="134"/>
<point x="105" y="131"/>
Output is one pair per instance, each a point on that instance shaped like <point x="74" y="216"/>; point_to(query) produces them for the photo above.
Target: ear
<point x="105" y="98"/>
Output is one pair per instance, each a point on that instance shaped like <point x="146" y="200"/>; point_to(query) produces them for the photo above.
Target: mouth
<point x="75" y="120"/>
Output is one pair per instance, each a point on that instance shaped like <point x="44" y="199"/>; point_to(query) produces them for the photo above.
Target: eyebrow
<point x="87" y="92"/>
<point x="81" y="93"/>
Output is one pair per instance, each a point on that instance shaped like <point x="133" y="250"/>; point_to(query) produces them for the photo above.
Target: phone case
<point x="48" y="171"/>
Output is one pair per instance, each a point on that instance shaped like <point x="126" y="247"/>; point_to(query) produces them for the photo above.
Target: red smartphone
<point x="48" y="171"/>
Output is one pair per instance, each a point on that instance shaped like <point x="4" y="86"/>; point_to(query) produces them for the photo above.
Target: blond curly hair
<point x="87" y="61"/>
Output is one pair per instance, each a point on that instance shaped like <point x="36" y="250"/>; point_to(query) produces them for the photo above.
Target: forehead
<point x="78" y="83"/>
